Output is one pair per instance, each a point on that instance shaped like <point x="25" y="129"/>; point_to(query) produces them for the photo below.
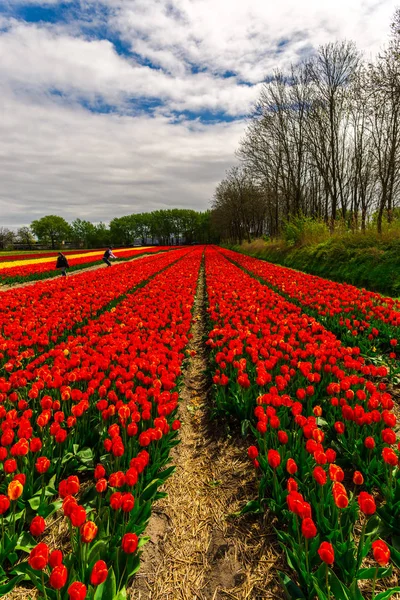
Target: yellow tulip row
<point x="47" y="259"/>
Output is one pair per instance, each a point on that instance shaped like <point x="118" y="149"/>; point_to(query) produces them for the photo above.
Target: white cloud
<point x="226" y="35"/>
<point x="58" y="157"/>
<point x="43" y="58"/>
<point x="68" y="161"/>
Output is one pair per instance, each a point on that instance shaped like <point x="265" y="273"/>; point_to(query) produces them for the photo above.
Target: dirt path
<point x="13" y="286"/>
<point x="196" y="550"/>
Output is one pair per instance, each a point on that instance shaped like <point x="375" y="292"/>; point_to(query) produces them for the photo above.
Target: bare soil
<point x="198" y="550"/>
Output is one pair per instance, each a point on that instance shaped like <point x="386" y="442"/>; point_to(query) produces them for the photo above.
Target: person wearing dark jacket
<point x="107" y="255"/>
<point x="62" y="264"/>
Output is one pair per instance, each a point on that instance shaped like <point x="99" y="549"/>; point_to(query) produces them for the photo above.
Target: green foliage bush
<point x="304" y="230"/>
<point x="365" y="260"/>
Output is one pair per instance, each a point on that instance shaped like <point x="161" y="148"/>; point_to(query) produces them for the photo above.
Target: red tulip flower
<point x="308" y="528"/>
<point x="381" y="552"/>
<point x="73" y="485"/>
<point x="55" y="558"/>
<point x="274" y="459"/>
<point x="101" y="485"/>
<point x="78" y="515"/>
<point x="127" y="502"/>
<point x="283" y="437"/>
<point x="37" y="526"/>
<point x="99" y="472"/>
<point x="326" y="553"/>
<point x="4" y="504"/>
<point x="77" y="591"/>
<point x="252" y="452"/>
<point x="388" y="436"/>
<point x="366" y="503"/>
<point x="369" y="443"/>
<point x="319" y="475"/>
<point x="42" y="464"/>
<point x="130" y="543"/>
<point x="15" y="490"/>
<point x="99" y="573"/>
<point x="291" y="466"/>
<point x="58" y="577"/>
<point x="88" y="532"/>
<point x="39" y="557"/>
<point x="390" y="457"/>
<point x="358" y="478"/>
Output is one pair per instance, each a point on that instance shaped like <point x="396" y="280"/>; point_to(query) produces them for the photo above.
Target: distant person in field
<point x="107" y="255"/>
<point x="62" y="264"/>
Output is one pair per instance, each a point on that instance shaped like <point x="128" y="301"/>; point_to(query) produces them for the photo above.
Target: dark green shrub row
<point x="360" y="260"/>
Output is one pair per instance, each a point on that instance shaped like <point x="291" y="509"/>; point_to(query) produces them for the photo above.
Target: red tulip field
<point x="256" y="405"/>
<point x="19" y="269"/>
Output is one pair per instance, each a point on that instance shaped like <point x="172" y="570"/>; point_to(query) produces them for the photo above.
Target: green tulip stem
<point x="13" y="515"/>
<point x="122" y="576"/>
<point x="374" y="583"/>
<point x="340" y="525"/>
<point x="327" y="582"/>
<point x="307" y="561"/>
<point x="79" y="551"/>
<point x="298" y="529"/>
<point x="275" y="484"/>
<point x="98" y="502"/>
<point x="114" y="523"/>
<point x="391" y="481"/>
<point x="42" y="494"/>
<point x="360" y="546"/>
<point x="44" y="587"/>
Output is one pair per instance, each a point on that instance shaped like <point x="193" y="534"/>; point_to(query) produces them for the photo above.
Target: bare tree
<point x="6" y="237"/>
<point x="239" y="206"/>
<point x="323" y="141"/>
<point x="331" y="72"/>
<point x="384" y="87"/>
<point x="25" y="236"/>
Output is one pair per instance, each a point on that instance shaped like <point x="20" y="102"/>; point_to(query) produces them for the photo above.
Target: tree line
<point x="170" y="226"/>
<point x="323" y="141"/>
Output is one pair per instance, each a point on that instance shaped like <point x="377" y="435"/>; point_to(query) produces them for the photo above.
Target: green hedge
<point x="352" y="259"/>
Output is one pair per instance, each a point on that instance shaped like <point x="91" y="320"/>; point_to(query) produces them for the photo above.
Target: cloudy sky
<point x="110" y="107"/>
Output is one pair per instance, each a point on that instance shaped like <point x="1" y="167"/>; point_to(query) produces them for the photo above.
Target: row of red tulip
<point x="357" y="316"/>
<point x="318" y="411"/>
<point x="35" y="316"/>
<point x="107" y="397"/>
<point x="21" y="272"/>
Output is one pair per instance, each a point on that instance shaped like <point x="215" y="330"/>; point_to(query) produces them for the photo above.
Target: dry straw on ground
<point x="197" y="550"/>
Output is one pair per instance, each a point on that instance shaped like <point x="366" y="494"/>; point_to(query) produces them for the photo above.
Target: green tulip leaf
<point x="8" y="587"/>
<point x="387" y="594"/>
<point x="108" y="588"/>
<point x="45" y="510"/>
<point x="293" y="591"/>
<point x="253" y="507"/>
<point x="34" y="502"/>
<point x="372" y="572"/>
<point x="150" y="491"/>
<point x="25" y="542"/>
<point x="373" y="525"/>
<point x="338" y="589"/>
<point x="394" y="555"/>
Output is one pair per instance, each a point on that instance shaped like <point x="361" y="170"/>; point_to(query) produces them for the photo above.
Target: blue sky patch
<point x="206" y="117"/>
<point x="51" y="13"/>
